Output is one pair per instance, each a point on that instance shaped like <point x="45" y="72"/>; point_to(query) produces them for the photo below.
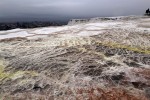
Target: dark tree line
<point x="24" y="25"/>
<point x="147" y="12"/>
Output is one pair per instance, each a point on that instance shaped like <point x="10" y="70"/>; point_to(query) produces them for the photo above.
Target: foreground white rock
<point x="98" y="59"/>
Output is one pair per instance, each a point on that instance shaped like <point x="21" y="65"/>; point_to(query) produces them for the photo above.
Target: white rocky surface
<point x="95" y="59"/>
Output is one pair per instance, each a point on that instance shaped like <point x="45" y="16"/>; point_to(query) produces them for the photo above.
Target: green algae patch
<point x="20" y="74"/>
<point x="2" y="73"/>
<point x="128" y="47"/>
<point x="14" y="75"/>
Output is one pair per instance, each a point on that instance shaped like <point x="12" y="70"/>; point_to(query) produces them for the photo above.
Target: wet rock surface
<point x="112" y="65"/>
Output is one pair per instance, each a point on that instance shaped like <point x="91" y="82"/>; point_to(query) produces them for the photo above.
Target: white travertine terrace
<point x="94" y="59"/>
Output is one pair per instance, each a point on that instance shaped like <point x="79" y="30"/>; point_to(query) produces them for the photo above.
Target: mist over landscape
<point x="64" y="10"/>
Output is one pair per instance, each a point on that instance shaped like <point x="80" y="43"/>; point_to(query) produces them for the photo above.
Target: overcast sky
<point x="65" y="9"/>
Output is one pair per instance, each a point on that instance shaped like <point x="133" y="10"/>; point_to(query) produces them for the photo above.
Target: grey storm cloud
<point x="72" y="8"/>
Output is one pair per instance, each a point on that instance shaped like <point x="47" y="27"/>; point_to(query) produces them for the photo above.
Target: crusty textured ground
<point x="84" y="62"/>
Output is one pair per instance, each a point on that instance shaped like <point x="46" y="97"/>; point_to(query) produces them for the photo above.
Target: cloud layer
<point x="63" y="9"/>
